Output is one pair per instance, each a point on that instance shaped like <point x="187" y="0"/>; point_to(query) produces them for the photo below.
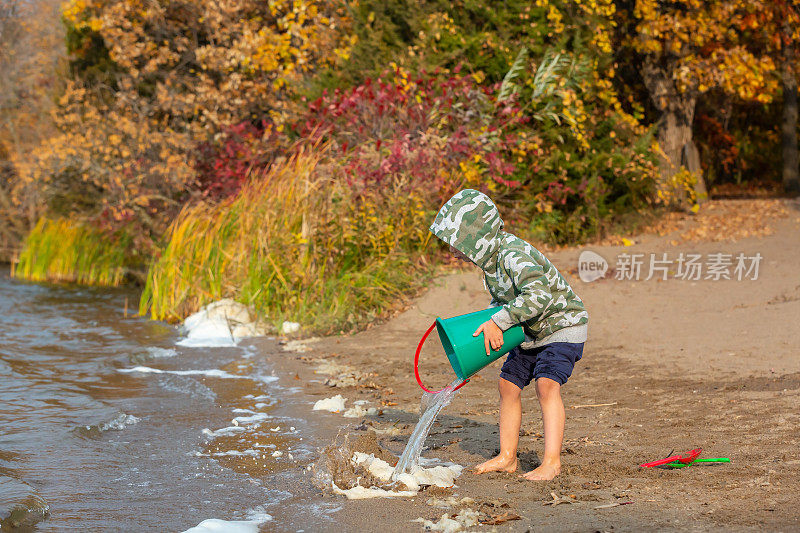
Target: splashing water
<point x="432" y="404"/>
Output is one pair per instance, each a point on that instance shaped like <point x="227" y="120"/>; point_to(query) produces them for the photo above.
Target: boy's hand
<point x="492" y="335"/>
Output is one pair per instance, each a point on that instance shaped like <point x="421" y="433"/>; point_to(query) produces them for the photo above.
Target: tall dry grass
<point x="67" y="251"/>
<point x="297" y="245"/>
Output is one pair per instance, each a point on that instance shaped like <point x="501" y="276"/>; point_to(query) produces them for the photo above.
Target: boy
<point x="528" y="290"/>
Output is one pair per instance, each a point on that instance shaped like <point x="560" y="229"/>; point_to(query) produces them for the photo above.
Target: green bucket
<point x="467" y="354"/>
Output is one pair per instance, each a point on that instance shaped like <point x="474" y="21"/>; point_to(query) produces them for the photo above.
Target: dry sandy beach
<point x="669" y="365"/>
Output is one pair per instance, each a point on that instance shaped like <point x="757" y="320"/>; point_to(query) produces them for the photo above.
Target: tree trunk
<point x="791" y="158"/>
<point x="675" y="127"/>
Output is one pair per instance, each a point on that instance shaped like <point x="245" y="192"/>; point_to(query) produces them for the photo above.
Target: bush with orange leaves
<point x="149" y="80"/>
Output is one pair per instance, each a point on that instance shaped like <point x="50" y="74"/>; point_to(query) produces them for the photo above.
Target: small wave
<point x="214" y="372"/>
<point x="150" y="353"/>
<point x="186" y="385"/>
<point x="118" y="423"/>
<point x="252" y="419"/>
<point x="229" y="431"/>
<point x="236" y="453"/>
<point x="258" y="514"/>
<point x="158" y="352"/>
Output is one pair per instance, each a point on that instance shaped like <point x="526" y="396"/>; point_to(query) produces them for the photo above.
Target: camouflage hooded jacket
<point x="520" y="279"/>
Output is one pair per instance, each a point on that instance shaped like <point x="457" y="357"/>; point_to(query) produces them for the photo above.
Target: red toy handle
<point x="416" y="363"/>
<point x="686" y="459"/>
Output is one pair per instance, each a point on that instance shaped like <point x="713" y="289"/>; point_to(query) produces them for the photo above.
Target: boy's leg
<point x="510" y="420"/>
<point x="549" y="393"/>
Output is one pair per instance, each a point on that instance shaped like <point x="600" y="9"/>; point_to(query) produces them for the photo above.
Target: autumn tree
<point x="786" y="20"/>
<point x="148" y="81"/>
<point x="686" y="48"/>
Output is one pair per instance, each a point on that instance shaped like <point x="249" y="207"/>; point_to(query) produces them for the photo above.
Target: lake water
<point x="107" y="425"/>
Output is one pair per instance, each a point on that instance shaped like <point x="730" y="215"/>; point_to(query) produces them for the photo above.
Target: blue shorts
<point x="555" y="361"/>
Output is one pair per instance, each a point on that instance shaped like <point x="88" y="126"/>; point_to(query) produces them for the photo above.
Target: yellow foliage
<point x="68" y="251"/>
<point x="702" y="45"/>
<point x="678" y="188"/>
<point x="179" y="76"/>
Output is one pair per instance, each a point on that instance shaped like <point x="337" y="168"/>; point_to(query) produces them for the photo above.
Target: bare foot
<point x="544" y="472"/>
<point x="501" y="463"/>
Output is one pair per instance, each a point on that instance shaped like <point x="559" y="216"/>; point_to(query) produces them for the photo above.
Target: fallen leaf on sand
<point x="557" y="500"/>
<point x="718" y="220"/>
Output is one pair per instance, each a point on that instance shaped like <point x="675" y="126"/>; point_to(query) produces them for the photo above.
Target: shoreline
<point x="654" y="377"/>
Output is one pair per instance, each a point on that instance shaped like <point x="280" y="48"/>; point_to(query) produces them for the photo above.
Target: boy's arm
<point x="534" y="298"/>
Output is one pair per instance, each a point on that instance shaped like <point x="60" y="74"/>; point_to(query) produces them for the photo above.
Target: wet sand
<point x="683" y="364"/>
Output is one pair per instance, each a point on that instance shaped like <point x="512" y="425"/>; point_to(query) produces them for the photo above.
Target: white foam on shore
<point x="361" y="493"/>
<point x="264" y="379"/>
<point x="254" y="518"/>
<point x="334" y="404"/>
<point x="207" y="332"/>
<point x="213" y="372"/>
<point x="258" y="417"/>
<point x="438" y="476"/>
<point x="443" y="476"/>
<point x="215" y="525"/>
<point x="466" y="518"/>
<point x="377" y="467"/>
<point x="290" y="327"/>
<point x="229" y="431"/>
<point x="237" y="453"/>
<point x="220" y="324"/>
<point x="358" y="411"/>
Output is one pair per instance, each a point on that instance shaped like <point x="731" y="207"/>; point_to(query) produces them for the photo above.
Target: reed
<point x="296" y="245"/>
<point x="63" y="250"/>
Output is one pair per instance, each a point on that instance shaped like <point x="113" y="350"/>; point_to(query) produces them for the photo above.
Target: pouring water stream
<point x="433" y="404"/>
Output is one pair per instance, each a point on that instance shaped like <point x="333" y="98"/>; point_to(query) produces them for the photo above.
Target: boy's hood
<point x="470" y="223"/>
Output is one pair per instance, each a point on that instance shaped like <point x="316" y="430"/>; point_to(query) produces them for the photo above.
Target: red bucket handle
<point x="416" y="363"/>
